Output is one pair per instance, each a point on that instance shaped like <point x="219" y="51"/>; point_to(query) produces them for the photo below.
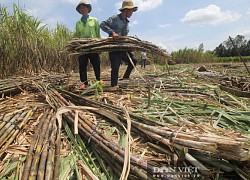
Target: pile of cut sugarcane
<point x="169" y="138"/>
<point x="124" y="43"/>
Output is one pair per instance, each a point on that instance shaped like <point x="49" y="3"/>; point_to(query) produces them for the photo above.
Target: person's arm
<point x="106" y="26"/>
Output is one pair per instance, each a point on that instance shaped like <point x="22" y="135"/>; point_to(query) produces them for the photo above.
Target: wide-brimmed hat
<point x="83" y="2"/>
<point x="128" y="4"/>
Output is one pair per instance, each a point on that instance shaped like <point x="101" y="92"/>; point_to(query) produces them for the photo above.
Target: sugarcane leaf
<point x="217" y="176"/>
<point x="111" y="132"/>
<point x="79" y="148"/>
<point x="110" y="115"/>
<point x="53" y="85"/>
<point x="100" y="86"/>
<point x="78" y="175"/>
<point x="219" y="118"/>
<point x="66" y="167"/>
<point x="122" y="140"/>
<point x="12" y="166"/>
<point x="102" y="165"/>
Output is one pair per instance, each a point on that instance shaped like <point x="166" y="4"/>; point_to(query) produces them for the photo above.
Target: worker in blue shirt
<point x="115" y="26"/>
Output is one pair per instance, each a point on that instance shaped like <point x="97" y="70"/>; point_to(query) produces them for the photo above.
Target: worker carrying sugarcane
<point x="87" y="27"/>
<point x="115" y="26"/>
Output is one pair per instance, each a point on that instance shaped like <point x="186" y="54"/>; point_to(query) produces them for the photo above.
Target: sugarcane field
<point x="183" y="115"/>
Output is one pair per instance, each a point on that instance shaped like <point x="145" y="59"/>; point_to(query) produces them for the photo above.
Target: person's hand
<point x="115" y="35"/>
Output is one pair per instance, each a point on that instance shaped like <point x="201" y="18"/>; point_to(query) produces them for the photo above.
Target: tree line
<point x="225" y="52"/>
<point x="226" y="49"/>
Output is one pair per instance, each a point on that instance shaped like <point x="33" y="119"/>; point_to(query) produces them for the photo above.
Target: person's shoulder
<point x="94" y="18"/>
<point x="114" y="16"/>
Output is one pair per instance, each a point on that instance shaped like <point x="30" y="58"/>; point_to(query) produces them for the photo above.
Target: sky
<point x="171" y="24"/>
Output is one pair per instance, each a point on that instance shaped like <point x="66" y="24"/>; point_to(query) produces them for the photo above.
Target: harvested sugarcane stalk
<point x="88" y="102"/>
<point x="209" y="146"/>
<point x="42" y="164"/>
<point x="8" y="127"/>
<point x="35" y="138"/>
<point x="86" y="131"/>
<point x="212" y="144"/>
<point x="170" y="127"/>
<point x="126" y="43"/>
<point x="57" y="136"/>
<point x="41" y="155"/>
<point x="12" y="135"/>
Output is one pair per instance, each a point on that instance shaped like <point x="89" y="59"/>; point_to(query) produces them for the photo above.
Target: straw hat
<point x="83" y="2"/>
<point x="128" y="4"/>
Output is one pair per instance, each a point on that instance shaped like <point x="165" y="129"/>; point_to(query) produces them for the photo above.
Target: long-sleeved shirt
<point x="88" y="29"/>
<point x="115" y="24"/>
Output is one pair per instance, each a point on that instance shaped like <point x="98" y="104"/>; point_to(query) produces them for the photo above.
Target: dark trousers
<point x="143" y="63"/>
<point x="116" y="59"/>
<point x="83" y="63"/>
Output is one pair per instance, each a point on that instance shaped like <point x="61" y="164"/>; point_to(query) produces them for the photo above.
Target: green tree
<point x="220" y="51"/>
<point x="226" y="49"/>
<point x="248" y="48"/>
<point x="201" y="47"/>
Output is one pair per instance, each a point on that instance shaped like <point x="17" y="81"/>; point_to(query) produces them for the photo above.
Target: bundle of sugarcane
<point x="42" y="161"/>
<point x="90" y="131"/>
<point x="200" y="139"/>
<point x="16" y="85"/>
<point x="234" y="147"/>
<point x="124" y="43"/>
<point x="11" y="124"/>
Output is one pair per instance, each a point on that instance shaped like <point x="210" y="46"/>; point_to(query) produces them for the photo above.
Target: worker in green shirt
<point x="87" y="27"/>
